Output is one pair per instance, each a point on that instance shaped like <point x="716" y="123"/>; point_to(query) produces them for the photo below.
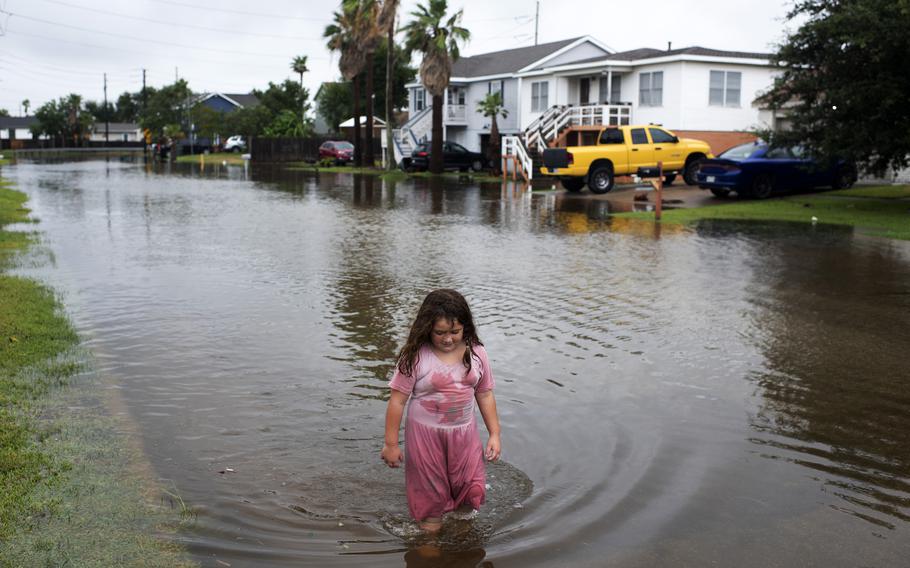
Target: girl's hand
<point x="392" y="455"/>
<point x="494" y="448"/>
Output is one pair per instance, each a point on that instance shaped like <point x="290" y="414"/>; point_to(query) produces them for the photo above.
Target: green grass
<point x="70" y="491"/>
<point x="215" y="158"/>
<point x="874" y="211"/>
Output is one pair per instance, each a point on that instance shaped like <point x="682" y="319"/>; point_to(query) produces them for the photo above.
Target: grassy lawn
<point x="215" y="158"/>
<point x="70" y="491"/>
<point x="880" y="211"/>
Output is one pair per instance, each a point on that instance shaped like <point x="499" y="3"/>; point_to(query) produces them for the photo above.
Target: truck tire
<point x="600" y="179"/>
<point x="690" y="173"/>
<point x="572" y="184"/>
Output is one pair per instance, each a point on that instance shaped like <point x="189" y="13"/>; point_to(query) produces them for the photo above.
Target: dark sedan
<point x="759" y="170"/>
<point x="454" y="157"/>
<point x="339" y="150"/>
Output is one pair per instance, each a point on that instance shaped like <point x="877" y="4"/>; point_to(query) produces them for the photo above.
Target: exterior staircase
<point x="411" y="133"/>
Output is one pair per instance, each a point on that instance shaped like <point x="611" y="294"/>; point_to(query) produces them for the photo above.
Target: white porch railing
<point x="551" y="123"/>
<point x="514" y="149"/>
<point x="456" y="113"/>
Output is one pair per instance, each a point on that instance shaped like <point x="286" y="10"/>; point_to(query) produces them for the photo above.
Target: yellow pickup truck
<point x="623" y="150"/>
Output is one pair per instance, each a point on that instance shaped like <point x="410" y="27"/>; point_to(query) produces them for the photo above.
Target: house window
<point x="540" y="96"/>
<point x="497" y="87"/>
<point x="651" y="88"/>
<point x="420" y="99"/>
<point x="615" y="87"/>
<point x="456" y="96"/>
<point x="725" y="88"/>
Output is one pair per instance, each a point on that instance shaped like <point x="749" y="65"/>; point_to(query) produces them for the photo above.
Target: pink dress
<point x="444" y="464"/>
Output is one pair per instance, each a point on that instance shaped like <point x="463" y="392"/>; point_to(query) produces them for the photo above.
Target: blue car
<point x="758" y="170"/>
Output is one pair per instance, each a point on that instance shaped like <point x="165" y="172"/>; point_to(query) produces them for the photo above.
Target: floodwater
<point x="730" y="395"/>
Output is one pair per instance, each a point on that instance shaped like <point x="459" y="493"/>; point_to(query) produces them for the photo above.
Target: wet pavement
<point x="729" y="394"/>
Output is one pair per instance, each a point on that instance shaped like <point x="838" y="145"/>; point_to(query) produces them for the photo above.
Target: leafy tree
<point x="335" y="103"/>
<point x="64" y="118"/>
<point x="491" y="106"/>
<point x="101" y="112"/>
<point x="4" y="112"/>
<point x="249" y="121"/>
<point x="287" y="95"/>
<point x="208" y="122"/>
<point x="845" y="82"/>
<point x="128" y="106"/>
<point x="166" y="106"/>
<point x="287" y="124"/>
<point x="436" y="36"/>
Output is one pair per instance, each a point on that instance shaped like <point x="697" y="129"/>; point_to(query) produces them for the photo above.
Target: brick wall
<point x="719" y="141"/>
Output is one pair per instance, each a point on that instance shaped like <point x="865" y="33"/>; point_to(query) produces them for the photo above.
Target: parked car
<point x="235" y="144"/>
<point x="341" y="151"/>
<point x="454" y="157"/>
<point x="759" y="170"/>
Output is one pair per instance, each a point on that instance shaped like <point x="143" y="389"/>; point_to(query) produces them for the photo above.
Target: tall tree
<point x="436" y="36"/>
<point x="386" y="23"/>
<point x="299" y="65"/>
<point x="491" y="107"/>
<point x="25" y="105"/>
<point x="844" y="83"/>
<point x="350" y="34"/>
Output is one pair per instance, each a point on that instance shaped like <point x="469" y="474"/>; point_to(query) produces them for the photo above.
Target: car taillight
<point x="570" y="159"/>
<point x="422" y="154"/>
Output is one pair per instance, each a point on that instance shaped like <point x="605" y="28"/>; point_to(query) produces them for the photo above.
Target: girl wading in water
<point x="442" y="369"/>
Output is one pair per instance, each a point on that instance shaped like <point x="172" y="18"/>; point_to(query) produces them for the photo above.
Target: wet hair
<point x="446" y="304"/>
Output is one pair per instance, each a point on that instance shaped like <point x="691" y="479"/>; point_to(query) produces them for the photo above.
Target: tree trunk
<point x="389" y="93"/>
<point x="495" y="152"/>
<point x="436" y="146"/>
<point x="368" y="159"/>
<point x="358" y="149"/>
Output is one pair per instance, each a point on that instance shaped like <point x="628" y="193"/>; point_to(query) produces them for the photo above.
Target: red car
<point x="339" y="150"/>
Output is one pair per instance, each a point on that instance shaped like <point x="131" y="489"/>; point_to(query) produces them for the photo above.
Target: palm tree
<point x="299" y="66"/>
<point x="386" y="22"/>
<point x="25" y="104"/>
<point x="437" y="39"/>
<point x="491" y="107"/>
<point x="352" y="34"/>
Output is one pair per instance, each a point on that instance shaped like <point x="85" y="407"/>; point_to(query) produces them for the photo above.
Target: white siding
<point x="696" y="113"/>
<point x="578" y="53"/>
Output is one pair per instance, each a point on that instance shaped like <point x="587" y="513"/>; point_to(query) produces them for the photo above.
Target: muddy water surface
<point x="731" y="395"/>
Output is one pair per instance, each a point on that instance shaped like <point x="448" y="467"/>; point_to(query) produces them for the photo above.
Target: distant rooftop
<point x="508" y="61"/>
<point x="651" y="53"/>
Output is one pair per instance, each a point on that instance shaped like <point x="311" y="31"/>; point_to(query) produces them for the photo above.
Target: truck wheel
<point x="762" y="186"/>
<point x="573" y="185"/>
<point x="669" y="179"/>
<point x="690" y="173"/>
<point x="600" y="180"/>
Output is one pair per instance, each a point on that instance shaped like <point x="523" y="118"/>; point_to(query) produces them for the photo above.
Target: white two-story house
<point x="565" y="90"/>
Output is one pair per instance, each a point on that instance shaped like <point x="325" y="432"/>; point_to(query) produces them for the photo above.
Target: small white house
<point x="16" y="127"/>
<point x="699" y="92"/>
<point x="117" y="132"/>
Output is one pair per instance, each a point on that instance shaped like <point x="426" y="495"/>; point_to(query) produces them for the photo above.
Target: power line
<point x="144" y="40"/>
<point x="177" y="24"/>
<point x="209" y="9"/>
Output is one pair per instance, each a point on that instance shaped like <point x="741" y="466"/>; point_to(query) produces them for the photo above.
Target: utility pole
<point x="107" y="124"/>
<point x="536" y="21"/>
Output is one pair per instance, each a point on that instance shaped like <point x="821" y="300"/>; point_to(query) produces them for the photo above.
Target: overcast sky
<point x="49" y="48"/>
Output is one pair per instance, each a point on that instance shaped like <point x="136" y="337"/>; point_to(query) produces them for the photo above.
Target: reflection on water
<point x="730" y="394"/>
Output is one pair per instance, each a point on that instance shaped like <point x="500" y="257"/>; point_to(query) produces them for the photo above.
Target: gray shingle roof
<point x="508" y="61"/>
<point x="7" y="122"/>
<point x="246" y="101"/>
<point x="649" y="53"/>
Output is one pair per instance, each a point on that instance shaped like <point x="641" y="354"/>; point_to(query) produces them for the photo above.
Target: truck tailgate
<point x="555" y="158"/>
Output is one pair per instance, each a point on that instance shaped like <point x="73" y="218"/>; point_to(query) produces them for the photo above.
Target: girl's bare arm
<point x="487" y="403"/>
<point x="391" y="453"/>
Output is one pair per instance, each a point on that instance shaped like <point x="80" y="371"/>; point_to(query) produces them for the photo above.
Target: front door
<point x="584" y="91"/>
